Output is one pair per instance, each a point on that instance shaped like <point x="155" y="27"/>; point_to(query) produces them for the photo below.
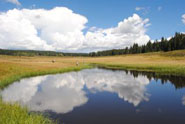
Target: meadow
<point x="14" y="68"/>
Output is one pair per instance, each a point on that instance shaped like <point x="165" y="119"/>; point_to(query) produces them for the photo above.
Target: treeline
<point x="38" y="53"/>
<point x="29" y="53"/>
<point x="175" y="43"/>
<point x="76" y="54"/>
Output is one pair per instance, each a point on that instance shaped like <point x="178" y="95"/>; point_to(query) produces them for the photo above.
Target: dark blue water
<point x="99" y="96"/>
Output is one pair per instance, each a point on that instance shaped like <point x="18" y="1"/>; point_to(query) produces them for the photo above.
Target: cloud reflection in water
<point x="62" y="92"/>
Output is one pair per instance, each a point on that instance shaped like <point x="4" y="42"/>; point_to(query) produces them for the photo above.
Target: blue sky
<point x="165" y="15"/>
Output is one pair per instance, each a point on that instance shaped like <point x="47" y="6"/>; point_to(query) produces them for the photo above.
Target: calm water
<point x="98" y="96"/>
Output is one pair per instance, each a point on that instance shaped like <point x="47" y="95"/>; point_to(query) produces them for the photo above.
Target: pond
<point x="100" y="96"/>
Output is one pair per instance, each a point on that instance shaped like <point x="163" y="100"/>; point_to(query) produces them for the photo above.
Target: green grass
<point x="14" y="114"/>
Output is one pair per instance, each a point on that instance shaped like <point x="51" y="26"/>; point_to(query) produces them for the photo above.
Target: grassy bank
<point x="10" y="72"/>
<point x="14" y="68"/>
<point x="165" y="63"/>
<point x="16" y="77"/>
<point x="158" y="69"/>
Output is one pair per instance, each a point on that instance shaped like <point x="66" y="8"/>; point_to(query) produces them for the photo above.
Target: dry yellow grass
<point x="172" y="63"/>
<point x="13" y="65"/>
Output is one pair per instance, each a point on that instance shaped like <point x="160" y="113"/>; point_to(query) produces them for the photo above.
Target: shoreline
<point x="158" y="70"/>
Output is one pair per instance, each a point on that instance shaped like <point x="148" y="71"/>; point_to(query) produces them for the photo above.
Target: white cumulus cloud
<point x="61" y="29"/>
<point x="128" y="32"/>
<point x="183" y="18"/>
<point x="14" y="2"/>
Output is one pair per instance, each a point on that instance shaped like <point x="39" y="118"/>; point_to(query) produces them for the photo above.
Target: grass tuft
<point x="14" y="114"/>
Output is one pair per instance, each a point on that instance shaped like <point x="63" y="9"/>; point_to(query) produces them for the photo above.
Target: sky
<point x="87" y="25"/>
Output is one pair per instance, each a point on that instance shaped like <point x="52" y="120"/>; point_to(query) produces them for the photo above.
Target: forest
<point x="37" y="53"/>
<point x="175" y="43"/>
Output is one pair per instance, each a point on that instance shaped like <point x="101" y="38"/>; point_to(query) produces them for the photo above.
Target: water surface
<point x="99" y="96"/>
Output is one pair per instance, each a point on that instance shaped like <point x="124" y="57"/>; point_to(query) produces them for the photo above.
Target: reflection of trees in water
<point x="177" y="81"/>
<point x="183" y="100"/>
